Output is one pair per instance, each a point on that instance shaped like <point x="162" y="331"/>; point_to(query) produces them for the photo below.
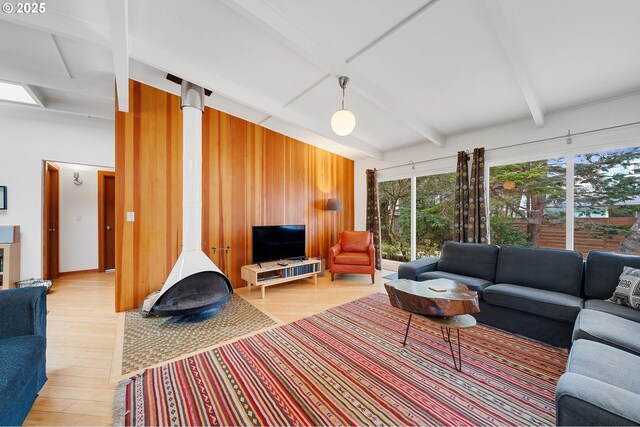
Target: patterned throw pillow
<point x="628" y="290"/>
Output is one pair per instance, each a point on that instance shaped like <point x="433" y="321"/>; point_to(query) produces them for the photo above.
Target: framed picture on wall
<point x="3" y="197"/>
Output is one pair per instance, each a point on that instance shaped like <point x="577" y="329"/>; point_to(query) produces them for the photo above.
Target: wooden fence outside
<point x="553" y="235"/>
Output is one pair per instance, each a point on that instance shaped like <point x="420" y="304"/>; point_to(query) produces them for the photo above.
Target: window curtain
<point x="461" y="208"/>
<point x="373" y="214"/>
<point x="477" y="216"/>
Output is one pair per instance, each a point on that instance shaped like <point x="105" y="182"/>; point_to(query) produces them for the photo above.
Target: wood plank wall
<point x="251" y="176"/>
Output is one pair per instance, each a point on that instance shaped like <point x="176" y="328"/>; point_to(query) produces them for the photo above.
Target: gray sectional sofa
<point x="553" y="296"/>
<point x="529" y="291"/>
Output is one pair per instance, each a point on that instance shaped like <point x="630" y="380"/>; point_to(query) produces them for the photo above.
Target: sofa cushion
<point x="554" y="270"/>
<point x="355" y="241"/>
<point x="596" y="388"/>
<point x="352" y="258"/>
<point x="606" y="364"/>
<point x="473" y="283"/>
<point x="628" y="290"/>
<point x="19" y="359"/>
<point x="603" y="271"/>
<point x="469" y="259"/>
<point x="549" y="304"/>
<point x="615" y="309"/>
<point x="608" y="329"/>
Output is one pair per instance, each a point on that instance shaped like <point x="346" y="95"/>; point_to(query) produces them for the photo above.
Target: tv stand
<point x="272" y="273"/>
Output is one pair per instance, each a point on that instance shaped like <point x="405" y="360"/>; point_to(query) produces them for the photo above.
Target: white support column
<point x="413" y="217"/>
<point x="569" y="223"/>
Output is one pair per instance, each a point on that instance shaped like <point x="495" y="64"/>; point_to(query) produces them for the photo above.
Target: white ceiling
<point x="421" y="71"/>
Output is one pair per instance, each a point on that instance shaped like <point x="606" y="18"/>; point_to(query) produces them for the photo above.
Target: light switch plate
<point x="131" y="216"/>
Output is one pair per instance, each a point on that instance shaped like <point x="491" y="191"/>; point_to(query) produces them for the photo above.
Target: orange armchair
<point x="354" y="253"/>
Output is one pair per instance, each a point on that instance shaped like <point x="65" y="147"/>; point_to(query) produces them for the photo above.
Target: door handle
<point x="52" y="229"/>
<point x="108" y="228"/>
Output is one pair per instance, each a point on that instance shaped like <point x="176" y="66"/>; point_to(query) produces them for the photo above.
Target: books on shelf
<point x="289" y="271"/>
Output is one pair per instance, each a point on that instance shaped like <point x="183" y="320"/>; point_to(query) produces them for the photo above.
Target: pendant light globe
<point x="343" y="122"/>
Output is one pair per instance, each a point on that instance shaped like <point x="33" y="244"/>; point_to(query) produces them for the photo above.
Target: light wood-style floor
<point x="81" y="332"/>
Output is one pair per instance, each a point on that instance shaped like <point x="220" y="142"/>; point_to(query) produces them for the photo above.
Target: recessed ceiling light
<point x="15" y="92"/>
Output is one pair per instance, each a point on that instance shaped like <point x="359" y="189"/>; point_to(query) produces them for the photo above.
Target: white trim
<point x="413" y="218"/>
<point x="569" y="217"/>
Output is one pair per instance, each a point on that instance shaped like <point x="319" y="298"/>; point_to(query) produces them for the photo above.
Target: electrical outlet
<point x="131" y="216"/>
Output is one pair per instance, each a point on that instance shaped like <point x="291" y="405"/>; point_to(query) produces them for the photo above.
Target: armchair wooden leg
<point x="373" y="278"/>
<point x="332" y="277"/>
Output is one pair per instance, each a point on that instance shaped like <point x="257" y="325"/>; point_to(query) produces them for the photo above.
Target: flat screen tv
<point x="278" y="242"/>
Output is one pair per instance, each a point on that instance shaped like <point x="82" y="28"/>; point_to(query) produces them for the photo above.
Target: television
<point x="278" y="242"/>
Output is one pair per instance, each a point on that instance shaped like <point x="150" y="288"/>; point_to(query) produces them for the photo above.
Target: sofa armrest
<point x="23" y="312"/>
<point x="411" y="270"/>
<point x="372" y="255"/>
<point x="333" y="252"/>
<point x="581" y="400"/>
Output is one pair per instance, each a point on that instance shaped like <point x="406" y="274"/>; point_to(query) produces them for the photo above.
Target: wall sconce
<point x="3" y="197"/>
<point x="508" y="185"/>
<point x="332" y="205"/>
<point x="76" y="178"/>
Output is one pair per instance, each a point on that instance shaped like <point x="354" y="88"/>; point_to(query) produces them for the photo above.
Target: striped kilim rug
<point x="347" y="366"/>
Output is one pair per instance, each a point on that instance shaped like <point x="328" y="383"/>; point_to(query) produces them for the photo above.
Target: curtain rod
<point x="568" y="135"/>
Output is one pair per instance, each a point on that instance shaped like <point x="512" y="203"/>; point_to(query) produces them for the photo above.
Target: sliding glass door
<point x="395" y="219"/>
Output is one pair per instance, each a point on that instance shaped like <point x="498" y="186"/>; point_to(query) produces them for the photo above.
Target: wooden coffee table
<point x="444" y="302"/>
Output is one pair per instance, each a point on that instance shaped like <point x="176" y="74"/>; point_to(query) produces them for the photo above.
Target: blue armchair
<point x="23" y="346"/>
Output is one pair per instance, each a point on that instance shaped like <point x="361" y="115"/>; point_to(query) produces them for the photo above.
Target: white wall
<point x="593" y="116"/>
<point x="78" y="217"/>
<point x="26" y="139"/>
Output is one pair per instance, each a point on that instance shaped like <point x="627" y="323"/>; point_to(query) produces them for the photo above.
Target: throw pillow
<point x="628" y="290"/>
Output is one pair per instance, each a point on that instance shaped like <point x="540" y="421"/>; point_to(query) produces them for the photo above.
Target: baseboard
<point x="71" y="273"/>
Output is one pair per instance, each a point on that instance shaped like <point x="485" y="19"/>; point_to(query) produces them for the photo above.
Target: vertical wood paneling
<point x="251" y="176"/>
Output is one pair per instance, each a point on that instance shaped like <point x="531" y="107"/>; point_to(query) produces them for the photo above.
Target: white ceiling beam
<point x="103" y="111"/>
<point x="35" y="94"/>
<point x="62" y="25"/>
<point x="119" y="28"/>
<point x="154" y="57"/>
<point x="272" y="21"/>
<point x="46" y="80"/>
<point x="86" y="109"/>
<point x="63" y="63"/>
<point x="501" y="14"/>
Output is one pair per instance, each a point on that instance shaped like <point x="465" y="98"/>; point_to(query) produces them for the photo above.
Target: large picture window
<point x="527" y="203"/>
<point x="607" y="201"/>
<point x="528" y="206"/>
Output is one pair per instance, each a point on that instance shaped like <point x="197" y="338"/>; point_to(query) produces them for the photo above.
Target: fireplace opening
<point x="202" y="291"/>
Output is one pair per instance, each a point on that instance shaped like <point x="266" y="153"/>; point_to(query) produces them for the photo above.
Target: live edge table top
<point x="438" y="297"/>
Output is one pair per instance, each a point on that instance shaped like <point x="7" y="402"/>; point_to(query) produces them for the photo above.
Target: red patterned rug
<point x="347" y="366"/>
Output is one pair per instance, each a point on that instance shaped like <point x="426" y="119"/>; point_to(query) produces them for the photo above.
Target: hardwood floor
<point x="81" y="332"/>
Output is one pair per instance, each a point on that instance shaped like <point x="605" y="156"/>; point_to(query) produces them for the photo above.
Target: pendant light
<point x="343" y="121"/>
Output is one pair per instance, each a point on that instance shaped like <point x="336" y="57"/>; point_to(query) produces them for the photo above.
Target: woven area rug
<point x="347" y="366"/>
<point x="149" y="341"/>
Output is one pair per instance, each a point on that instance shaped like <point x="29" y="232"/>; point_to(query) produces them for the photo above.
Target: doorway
<point x="50" y="222"/>
<point x="106" y="220"/>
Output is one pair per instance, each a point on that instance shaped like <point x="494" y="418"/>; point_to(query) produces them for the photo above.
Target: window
<point x="527" y="204"/>
<point x="435" y="196"/>
<point x="607" y="201"/>
<point x="395" y="219"/>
